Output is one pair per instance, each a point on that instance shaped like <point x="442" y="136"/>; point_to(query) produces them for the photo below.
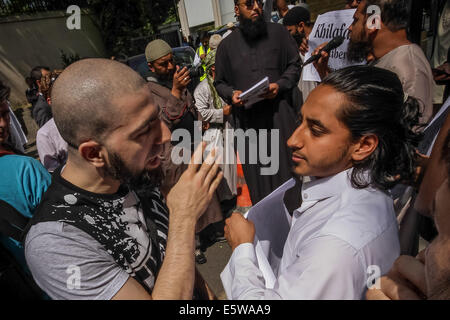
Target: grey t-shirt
<point x="83" y="245"/>
<point x="414" y="71"/>
<point x="67" y="263"/>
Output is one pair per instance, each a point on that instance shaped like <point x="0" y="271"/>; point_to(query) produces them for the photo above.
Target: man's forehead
<point x="164" y="59"/>
<point x="326" y="96"/>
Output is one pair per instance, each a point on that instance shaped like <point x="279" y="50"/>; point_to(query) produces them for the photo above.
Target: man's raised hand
<point x="193" y="192"/>
<point x="321" y="65"/>
<point x="181" y="79"/>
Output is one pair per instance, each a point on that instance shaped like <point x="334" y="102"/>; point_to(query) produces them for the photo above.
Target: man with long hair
<point x="355" y="140"/>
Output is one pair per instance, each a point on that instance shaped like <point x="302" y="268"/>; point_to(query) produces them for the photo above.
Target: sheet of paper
<point x="440" y="112"/>
<point x="197" y="60"/>
<point x="443" y="109"/>
<point x="272" y="224"/>
<point x="326" y="27"/>
<point x="254" y="94"/>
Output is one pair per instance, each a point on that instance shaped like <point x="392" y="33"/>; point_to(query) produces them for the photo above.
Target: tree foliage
<point x="120" y="21"/>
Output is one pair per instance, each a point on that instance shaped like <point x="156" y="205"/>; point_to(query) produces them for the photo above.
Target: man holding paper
<point x="252" y="52"/>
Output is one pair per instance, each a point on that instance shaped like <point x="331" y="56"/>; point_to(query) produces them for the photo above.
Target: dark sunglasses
<point x="251" y="3"/>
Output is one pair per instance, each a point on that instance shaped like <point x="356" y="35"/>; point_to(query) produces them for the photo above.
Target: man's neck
<point x="89" y="178"/>
<point x="385" y="41"/>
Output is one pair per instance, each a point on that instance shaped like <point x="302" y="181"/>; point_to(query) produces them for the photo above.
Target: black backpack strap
<point x="12" y="222"/>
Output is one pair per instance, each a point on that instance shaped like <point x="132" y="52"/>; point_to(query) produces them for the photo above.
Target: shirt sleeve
<point x="290" y="77"/>
<point x="35" y="181"/>
<point x="172" y="109"/>
<point x="68" y="264"/>
<point x="43" y="114"/>
<point x="202" y="102"/>
<point x="47" y="151"/>
<point x="325" y="268"/>
<point x="416" y="84"/>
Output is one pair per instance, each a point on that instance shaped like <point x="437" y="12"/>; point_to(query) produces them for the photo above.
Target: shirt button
<point x="305" y="196"/>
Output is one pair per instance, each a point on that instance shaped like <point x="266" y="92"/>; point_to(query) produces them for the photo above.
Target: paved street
<point x="217" y="256"/>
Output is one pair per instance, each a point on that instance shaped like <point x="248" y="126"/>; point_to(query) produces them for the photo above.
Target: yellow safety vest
<point x="201" y="51"/>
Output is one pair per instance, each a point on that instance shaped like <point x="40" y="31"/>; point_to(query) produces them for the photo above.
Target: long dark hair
<point x="377" y="105"/>
<point x="35" y="75"/>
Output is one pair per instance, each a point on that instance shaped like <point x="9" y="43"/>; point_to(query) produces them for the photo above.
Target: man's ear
<point x="49" y="101"/>
<point x="236" y="11"/>
<point x="150" y="66"/>
<point x="365" y="147"/>
<point x="301" y="27"/>
<point x="378" y="25"/>
<point x="93" y="153"/>
<point x="372" y="32"/>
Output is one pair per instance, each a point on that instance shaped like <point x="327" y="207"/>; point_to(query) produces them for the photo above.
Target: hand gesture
<point x="190" y="197"/>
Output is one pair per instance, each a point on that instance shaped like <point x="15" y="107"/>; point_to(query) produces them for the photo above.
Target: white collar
<point x="319" y="189"/>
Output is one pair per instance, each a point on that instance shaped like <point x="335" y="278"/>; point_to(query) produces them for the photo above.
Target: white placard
<point x="272" y="225"/>
<point x="326" y="27"/>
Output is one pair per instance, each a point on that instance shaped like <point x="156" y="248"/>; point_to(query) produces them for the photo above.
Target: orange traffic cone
<point x="243" y="195"/>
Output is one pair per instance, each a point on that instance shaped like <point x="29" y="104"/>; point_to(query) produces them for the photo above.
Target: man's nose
<point x="296" y="139"/>
<point x="171" y="65"/>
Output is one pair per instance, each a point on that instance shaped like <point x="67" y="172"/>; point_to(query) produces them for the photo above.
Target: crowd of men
<point x="108" y="200"/>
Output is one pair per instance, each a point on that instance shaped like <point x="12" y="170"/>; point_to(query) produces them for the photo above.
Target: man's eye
<point x="315" y="132"/>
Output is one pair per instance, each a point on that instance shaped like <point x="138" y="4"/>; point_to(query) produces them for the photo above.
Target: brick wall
<point x="321" y="6"/>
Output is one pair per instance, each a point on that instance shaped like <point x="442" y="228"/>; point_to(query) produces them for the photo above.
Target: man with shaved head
<point x="103" y="229"/>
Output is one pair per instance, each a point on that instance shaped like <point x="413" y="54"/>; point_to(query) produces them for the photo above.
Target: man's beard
<point x="358" y="51"/>
<point x="324" y="163"/>
<point x="298" y="37"/>
<point x="166" y="79"/>
<point x="253" y="30"/>
<point x="146" y="179"/>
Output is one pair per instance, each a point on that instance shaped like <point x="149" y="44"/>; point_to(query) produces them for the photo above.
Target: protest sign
<point x="328" y="26"/>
